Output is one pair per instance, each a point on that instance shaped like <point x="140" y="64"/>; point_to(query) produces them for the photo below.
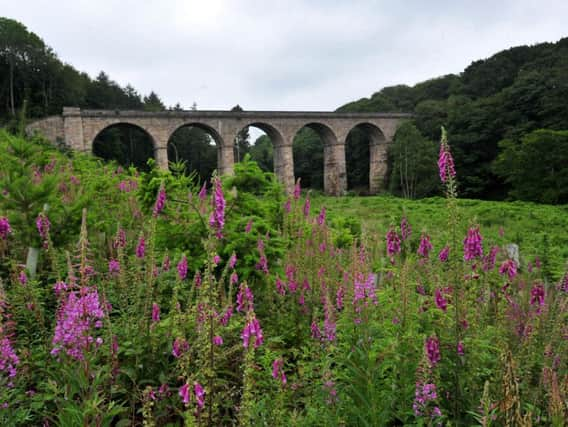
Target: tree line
<point x="497" y="112"/>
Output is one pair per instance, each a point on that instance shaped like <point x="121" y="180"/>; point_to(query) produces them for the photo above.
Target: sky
<point x="281" y="54"/>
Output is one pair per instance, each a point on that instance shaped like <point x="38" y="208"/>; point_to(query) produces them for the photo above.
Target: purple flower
<point x="393" y="242"/>
<point x="78" y="314"/>
<point x="321" y="216"/>
<point x="446" y="163"/>
<point x="22" y="278"/>
<point x="203" y="193"/>
<point x="199" y="394"/>
<point x="234" y="278"/>
<point x="113" y="266"/>
<point x="217" y="219"/>
<point x="288" y="206"/>
<point x="252" y="329"/>
<point x="166" y="263"/>
<point x="248" y="227"/>
<point x="508" y="267"/>
<point x="120" y="240"/>
<point x="182" y="268"/>
<point x="472" y="244"/>
<point x="307" y="205"/>
<point x="179" y="347"/>
<point x="316" y="333"/>
<point x="297" y="190"/>
<point x="245" y="299"/>
<point x="425" y="246"/>
<point x="155" y="312"/>
<point x="424" y="393"/>
<point x="232" y="261"/>
<point x="460" y="349"/>
<point x="216" y="259"/>
<point x="441" y="302"/>
<point x="8" y="358"/>
<point x="278" y="371"/>
<point x="444" y="253"/>
<point x="141" y="247"/>
<point x="197" y="279"/>
<point x="218" y="340"/>
<point x="432" y="347"/>
<point x="405" y="228"/>
<point x="184" y="393"/>
<point x="160" y="201"/>
<point x="489" y="259"/>
<point x="224" y="320"/>
<point x="339" y="298"/>
<point x="537" y="295"/>
<point x="5" y="228"/>
<point x="43" y="225"/>
<point x="280" y="286"/>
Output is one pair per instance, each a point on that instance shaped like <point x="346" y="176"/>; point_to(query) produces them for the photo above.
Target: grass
<point x="539" y="230"/>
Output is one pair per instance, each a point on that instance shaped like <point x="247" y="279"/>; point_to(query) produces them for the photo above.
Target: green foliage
<point x="536" y="167"/>
<point x="308" y="158"/>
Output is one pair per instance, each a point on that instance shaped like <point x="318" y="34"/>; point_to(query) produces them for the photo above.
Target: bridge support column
<point x="378" y="165"/>
<point x="284" y="166"/>
<point x="161" y="156"/>
<point x="225" y="160"/>
<point x="334" y="169"/>
<point x="73" y="130"/>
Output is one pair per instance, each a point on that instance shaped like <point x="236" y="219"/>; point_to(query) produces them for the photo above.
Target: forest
<point x="503" y="113"/>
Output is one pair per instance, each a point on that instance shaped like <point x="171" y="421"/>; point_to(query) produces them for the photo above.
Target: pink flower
<point x="218" y="340"/>
<point x="489" y="259"/>
<point x="120" y="240"/>
<point x="199" y="394"/>
<point x="232" y="261"/>
<point x="307" y="206"/>
<point x="166" y="263"/>
<point x="160" y="201"/>
<point x="248" y="227"/>
<point x="316" y="333"/>
<point x="5" y="228"/>
<point x="321" y="216"/>
<point x="508" y="267"/>
<point x="179" y="347"/>
<point x="245" y="299"/>
<point x="537" y="295"/>
<point x="182" y="268"/>
<point x="460" y="349"/>
<point x="43" y="226"/>
<point x="278" y="371"/>
<point x="280" y="286"/>
<point x="446" y="163"/>
<point x="297" y="190"/>
<point x="155" y="313"/>
<point x="203" y="193"/>
<point x="217" y="218"/>
<point x="252" y="329"/>
<point x="405" y="228"/>
<point x="393" y="242"/>
<point x="113" y="266"/>
<point x="184" y="393"/>
<point x="432" y="347"/>
<point x="141" y="247"/>
<point x="444" y="253"/>
<point x="441" y="302"/>
<point x="425" y="246"/>
<point x="22" y="278"/>
<point x="472" y="244"/>
<point x="234" y="278"/>
<point x="8" y="358"/>
<point x="288" y="206"/>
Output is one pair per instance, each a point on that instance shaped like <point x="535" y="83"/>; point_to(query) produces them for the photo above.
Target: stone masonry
<point x="78" y="129"/>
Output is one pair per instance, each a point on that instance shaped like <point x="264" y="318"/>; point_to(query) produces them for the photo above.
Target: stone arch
<point x="129" y="132"/>
<point x="334" y="175"/>
<point x="378" y="145"/>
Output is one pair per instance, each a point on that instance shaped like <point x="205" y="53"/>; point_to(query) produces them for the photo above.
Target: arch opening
<point x="366" y="160"/>
<point x="126" y="143"/>
<point x="258" y="140"/>
<point x="194" y="147"/>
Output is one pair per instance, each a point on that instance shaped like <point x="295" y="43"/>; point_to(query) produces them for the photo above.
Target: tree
<point x="413" y="159"/>
<point x="262" y="153"/>
<point x="152" y="102"/>
<point x="536" y="168"/>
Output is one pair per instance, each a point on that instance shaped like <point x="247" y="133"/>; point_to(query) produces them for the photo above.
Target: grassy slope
<point x="525" y="224"/>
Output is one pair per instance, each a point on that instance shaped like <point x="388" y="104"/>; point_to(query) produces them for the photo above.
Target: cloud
<point x="303" y="55"/>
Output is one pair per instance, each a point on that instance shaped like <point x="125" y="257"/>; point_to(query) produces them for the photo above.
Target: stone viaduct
<point x="79" y="128"/>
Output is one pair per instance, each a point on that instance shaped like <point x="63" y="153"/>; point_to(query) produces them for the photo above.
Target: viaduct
<point x="79" y="128"/>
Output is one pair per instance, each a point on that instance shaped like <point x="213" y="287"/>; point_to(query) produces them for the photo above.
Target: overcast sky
<point x="281" y="54"/>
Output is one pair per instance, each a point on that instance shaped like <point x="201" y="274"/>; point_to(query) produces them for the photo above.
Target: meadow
<point x="132" y="298"/>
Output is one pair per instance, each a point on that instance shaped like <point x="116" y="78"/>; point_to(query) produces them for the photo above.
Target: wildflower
<point x="405" y="228"/>
<point x="432" y="347"/>
<point x="316" y="333"/>
<point x="8" y="358"/>
<point x="224" y="320"/>
<point x="472" y="244"/>
<point x="489" y="259"/>
<point x="216" y="259"/>
<point x="288" y="206"/>
<point x="43" y="225"/>
<point x="59" y="287"/>
<point x="245" y="299"/>
<point x="252" y="329"/>
<point x="199" y="395"/>
<point x="339" y="298"/>
<point x="217" y="219"/>
<point x="182" y="268"/>
<point x="444" y="253"/>
<point x="166" y="263"/>
<point x="262" y="264"/>
<point x="22" y="278"/>
<point x="155" y="313"/>
<point x="141" y="247"/>
<point x="120" y="240"/>
<point x="321" y="216"/>
<point x="197" y="279"/>
<point x="248" y="227"/>
<point x="446" y="162"/>
<point x="509" y="267"/>
<point x="160" y="201"/>
<point x="234" y="278"/>
<point x="537" y="295"/>
<point x="441" y="302"/>
<point x="280" y="286"/>
<point x="460" y="349"/>
<point x="5" y="228"/>
<point x="179" y="347"/>
<point x="424" y="393"/>
<point x="184" y="393"/>
<point x="307" y="205"/>
<point x="113" y="266"/>
<point x="203" y="192"/>
<point x="278" y="371"/>
<point x="77" y="316"/>
<point x="393" y="242"/>
<point x="232" y="261"/>
<point x="297" y="190"/>
<point x="217" y="340"/>
<point x="425" y="246"/>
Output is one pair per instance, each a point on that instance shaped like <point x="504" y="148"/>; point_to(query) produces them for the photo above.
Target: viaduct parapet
<point x="78" y="129"/>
